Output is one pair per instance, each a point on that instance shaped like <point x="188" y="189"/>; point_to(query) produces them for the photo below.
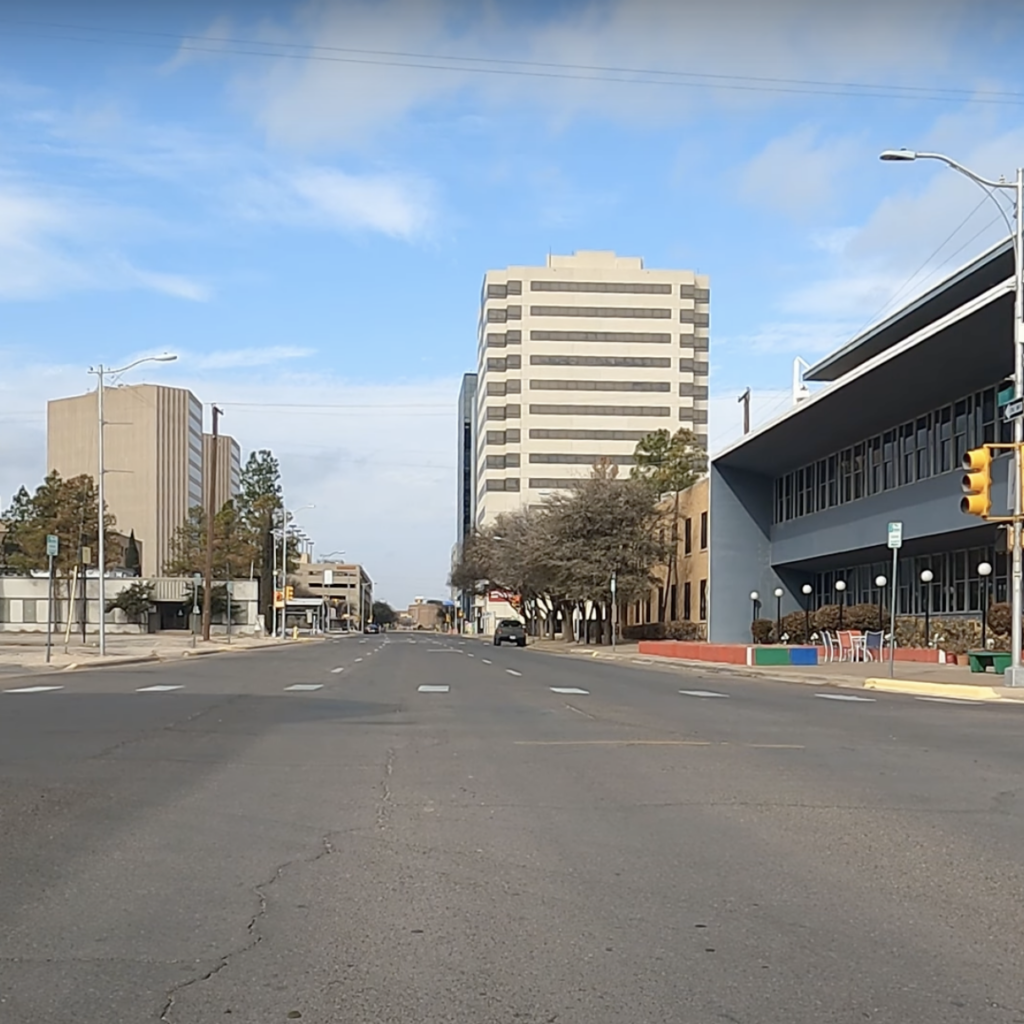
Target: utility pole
<point x="745" y="400"/>
<point x="211" y="511"/>
<point x="100" y="524"/>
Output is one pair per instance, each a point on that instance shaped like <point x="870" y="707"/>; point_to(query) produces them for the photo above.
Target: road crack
<point x="327" y="848"/>
<point x="385" y="804"/>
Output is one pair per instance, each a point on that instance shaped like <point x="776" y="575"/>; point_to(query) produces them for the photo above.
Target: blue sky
<point x="308" y="227"/>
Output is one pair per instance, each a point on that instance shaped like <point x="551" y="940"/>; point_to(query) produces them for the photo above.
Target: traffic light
<point x="278" y="599"/>
<point x="289" y="594"/>
<point x="977" y="482"/>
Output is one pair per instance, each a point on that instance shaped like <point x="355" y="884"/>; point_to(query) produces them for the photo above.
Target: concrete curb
<point x="76" y="666"/>
<point x="919" y="688"/>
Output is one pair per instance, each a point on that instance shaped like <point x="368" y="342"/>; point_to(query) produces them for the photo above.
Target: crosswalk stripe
<point x="568" y="689"/>
<point x="845" y="696"/>
<point x="702" y="693"/>
<point x="305" y="687"/>
<point x="34" y="689"/>
<point x="510" y="671"/>
<point x="428" y="688"/>
<point x="160" y="688"/>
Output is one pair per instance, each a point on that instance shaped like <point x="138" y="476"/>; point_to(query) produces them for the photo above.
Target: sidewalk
<point x="953" y="681"/>
<point x="24" y="654"/>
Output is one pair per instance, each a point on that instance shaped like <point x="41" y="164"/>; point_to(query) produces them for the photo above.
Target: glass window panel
<point x="846" y="476"/>
<point x="889" y="460"/>
<point x="833" y="483"/>
<point x="859" y="470"/>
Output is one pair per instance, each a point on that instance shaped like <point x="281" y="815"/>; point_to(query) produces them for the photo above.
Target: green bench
<point x="982" y="661"/>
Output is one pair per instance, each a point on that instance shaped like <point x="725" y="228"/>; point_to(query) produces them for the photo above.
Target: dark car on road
<point x="510" y="631"/>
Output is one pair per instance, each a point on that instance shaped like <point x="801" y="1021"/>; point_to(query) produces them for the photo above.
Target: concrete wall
<point x="23" y="604"/>
<point x="741" y="509"/>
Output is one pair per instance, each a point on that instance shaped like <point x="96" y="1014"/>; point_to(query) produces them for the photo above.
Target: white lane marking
<point x="462" y="643"/>
<point x="950" y="700"/>
<point x="361" y="641"/>
<point x="567" y="689"/>
<point x="162" y="688"/>
<point x="427" y="688"/>
<point x="486" y="661"/>
<point x="357" y="659"/>
<point x="510" y="671"/>
<point x="702" y="693"/>
<point x="334" y="671"/>
<point x="636" y="661"/>
<point x="845" y="696"/>
<point x="467" y="653"/>
<point x="305" y="686"/>
<point x="34" y="689"/>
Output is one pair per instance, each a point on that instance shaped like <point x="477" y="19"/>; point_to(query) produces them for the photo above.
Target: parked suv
<point x="510" y="630"/>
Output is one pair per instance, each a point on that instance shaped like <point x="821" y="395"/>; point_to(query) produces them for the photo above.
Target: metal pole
<point x="1014" y="673"/>
<point x="100" y="524"/>
<point x="927" y="614"/>
<point x="614" y="609"/>
<point x="892" y="615"/>
<point x="284" y="569"/>
<point x="211" y="511"/>
<point x="49" y="614"/>
<point x="273" y="578"/>
<point x="984" y="612"/>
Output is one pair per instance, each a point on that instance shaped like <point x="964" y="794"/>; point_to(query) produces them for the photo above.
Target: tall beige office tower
<point x="153" y="456"/>
<point x="579" y="359"/>
<point x="229" y="469"/>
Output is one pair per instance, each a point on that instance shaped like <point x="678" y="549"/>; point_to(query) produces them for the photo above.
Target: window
<point x="960" y="417"/>
<point x="600" y="410"/>
<point x="687" y="602"/>
<point x="660" y="361"/>
<point x="496" y="316"/>
<point x="646" y="337"/>
<point x="888" y="460"/>
<point x="604" y="312"/>
<point x="578" y="458"/>
<point x="703" y="600"/>
<point x="921" y="431"/>
<point x="494" y="291"/>
<point x="688" y="536"/>
<point x="672" y="609"/>
<point x="28" y="610"/>
<point x="617" y="287"/>
<point x="943" y="440"/>
<point x="703" y="530"/>
<point x="908" y="454"/>
<point x="600" y="385"/>
<point x="542" y="434"/>
<point x="5" y="609"/>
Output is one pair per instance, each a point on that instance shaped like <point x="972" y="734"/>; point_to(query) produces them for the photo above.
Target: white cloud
<point x="53" y="242"/>
<point x="345" y="93"/>
<point x="378" y="461"/>
<point x="799" y="173"/>
<point x="395" y="205"/>
<point x="245" y="357"/>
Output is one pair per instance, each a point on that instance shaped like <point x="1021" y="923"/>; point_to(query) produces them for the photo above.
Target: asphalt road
<point x="499" y="848"/>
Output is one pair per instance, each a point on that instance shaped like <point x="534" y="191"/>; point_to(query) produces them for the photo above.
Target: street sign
<point x="1013" y="409"/>
<point x="52" y="545"/>
<point x="895" y="535"/>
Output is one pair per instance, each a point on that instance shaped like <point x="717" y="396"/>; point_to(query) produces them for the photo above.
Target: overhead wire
<point x="219" y="45"/>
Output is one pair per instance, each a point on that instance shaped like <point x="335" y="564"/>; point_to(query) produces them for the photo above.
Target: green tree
<point x="259" y="505"/>
<point x="135" y="601"/>
<point x="671" y="463"/>
<point x="67" y="508"/>
<point x="234" y="545"/>
<point x="132" y="561"/>
<point x="384" y="614"/>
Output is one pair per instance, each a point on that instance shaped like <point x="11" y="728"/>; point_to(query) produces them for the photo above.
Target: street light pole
<point x="101" y="541"/>
<point x="1014" y="674"/>
<point x="926" y="578"/>
<point x="984" y="571"/>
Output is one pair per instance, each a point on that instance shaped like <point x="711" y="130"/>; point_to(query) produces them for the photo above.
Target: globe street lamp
<point x="807" y="590"/>
<point x="778" y="614"/>
<point x="1014" y="674"/>
<point x="755" y="599"/>
<point x="984" y="571"/>
<point x="101" y="371"/>
<point x="926" y="578"/>
<point x="841" y="588"/>
<point x="880" y="582"/>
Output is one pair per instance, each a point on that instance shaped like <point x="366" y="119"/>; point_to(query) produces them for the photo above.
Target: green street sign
<point x="52" y="545"/>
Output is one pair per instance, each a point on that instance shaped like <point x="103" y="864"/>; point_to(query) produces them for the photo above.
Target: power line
<point x="518" y="68"/>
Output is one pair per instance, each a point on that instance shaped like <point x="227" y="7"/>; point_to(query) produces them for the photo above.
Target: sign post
<point x="895" y="543"/>
<point x="229" y="589"/>
<point x="615" y="611"/>
<point x="52" y="549"/>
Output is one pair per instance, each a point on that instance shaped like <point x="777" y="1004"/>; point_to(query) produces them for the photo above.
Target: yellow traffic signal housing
<point x="278" y="599"/>
<point x="289" y="594"/>
<point x="977" y="482"/>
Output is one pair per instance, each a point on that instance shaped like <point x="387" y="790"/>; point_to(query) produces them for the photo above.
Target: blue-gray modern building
<point x="807" y="498"/>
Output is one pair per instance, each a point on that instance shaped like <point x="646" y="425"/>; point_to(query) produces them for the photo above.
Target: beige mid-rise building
<point x="578" y="360"/>
<point x="345" y="585"/>
<point x="229" y="470"/>
<point x="153" y="457"/>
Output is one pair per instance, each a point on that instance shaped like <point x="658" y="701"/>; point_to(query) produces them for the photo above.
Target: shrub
<point x="794" y="628"/>
<point x="644" y="631"/>
<point x="762" y="631"/>
<point x="826" y="618"/>
<point x="999" y="618"/>
<point x="684" y="630"/>
<point x="957" y="635"/>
